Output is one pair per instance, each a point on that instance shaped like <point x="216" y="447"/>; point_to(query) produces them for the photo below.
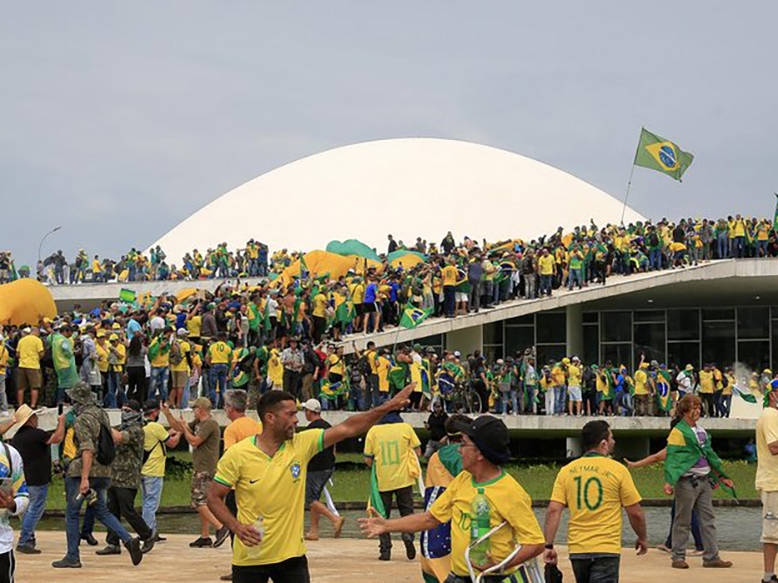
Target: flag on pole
<point x="127" y="295"/>
<point x="657" y="153"/>
<point x="303" y="268"/>
<point x="412" y="316"/>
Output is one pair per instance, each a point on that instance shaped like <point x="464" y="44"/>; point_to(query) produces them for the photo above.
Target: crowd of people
<point x="588" y="253"/>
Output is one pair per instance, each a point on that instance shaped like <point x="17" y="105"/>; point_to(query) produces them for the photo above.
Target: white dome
<point x="408" y="187"/>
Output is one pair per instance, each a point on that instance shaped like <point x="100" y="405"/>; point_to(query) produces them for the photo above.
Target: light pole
<point x="54" y="230"/>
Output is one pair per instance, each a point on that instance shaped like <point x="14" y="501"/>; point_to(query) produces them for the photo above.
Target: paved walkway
<point x="331" y="561"/>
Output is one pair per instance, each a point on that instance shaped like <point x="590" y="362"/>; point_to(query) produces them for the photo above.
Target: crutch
<point x="531" y="567"/>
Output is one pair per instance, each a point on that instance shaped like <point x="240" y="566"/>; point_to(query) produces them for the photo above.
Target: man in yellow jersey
<point x="152" y="474"/>
<point x="449" y="275"/>
<point x="241" y="427"/>
<point x="268" y="473"/>
<point x="180" y="356"/>
<point x="594" y="488"/>
<point x="484" y="450"/>
<point x="643" y="391"/>
<point x="767" y="479"/>
<point x="30" y="351"/>
<point x="219" y="356"/>
<point x="391" y="450"/>
<point x="707" y="390"/>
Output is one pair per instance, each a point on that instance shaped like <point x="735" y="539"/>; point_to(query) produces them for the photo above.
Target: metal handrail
<point x="530" y="567"/>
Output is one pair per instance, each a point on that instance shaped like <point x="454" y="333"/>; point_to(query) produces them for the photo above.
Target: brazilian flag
<point x="412" y="316"/>
<point x="657" y="153"/>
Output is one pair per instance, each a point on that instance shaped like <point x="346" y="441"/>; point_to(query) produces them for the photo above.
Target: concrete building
<point x="396" y="187"/>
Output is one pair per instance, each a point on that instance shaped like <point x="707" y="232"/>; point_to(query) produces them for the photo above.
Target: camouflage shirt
<point x="87" y="436"/>
<point x="125" y="470"/>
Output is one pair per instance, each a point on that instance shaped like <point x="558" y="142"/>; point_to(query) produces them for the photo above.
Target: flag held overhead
<point x="657" y="153"/>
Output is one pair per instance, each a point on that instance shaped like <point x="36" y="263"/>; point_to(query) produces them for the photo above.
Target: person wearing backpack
<point x="89" y="476"/>
<point x="125" y="478"/>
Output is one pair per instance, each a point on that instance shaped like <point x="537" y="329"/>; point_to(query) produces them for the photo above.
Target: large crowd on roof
<point x="290" y="333"/>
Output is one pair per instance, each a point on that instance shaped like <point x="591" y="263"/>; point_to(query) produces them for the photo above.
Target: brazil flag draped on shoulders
<point x="683" y="453"/>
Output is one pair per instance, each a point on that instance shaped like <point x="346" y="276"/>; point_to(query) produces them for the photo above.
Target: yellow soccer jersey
<point x="508" y="503"/>
<point x="391" y="447"/>
<point x="595" y="488"/>
<point x="273" y="488"/>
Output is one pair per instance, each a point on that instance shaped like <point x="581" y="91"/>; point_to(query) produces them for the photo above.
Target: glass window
<point x="518" y="338"/>
<point x="650" y="341"/>
<point x="552" y="327"/>
<point x="718" y="343"/>
<point x="718" y="314"/>
<point x="650" y="316"/>
<point x="754" y="353"/>
<point x="591" y="344"/>
<point x="683" y="324"/>
<point x="753" y="323"/>
<point x="528" y="319"/>
<point x="617" y="326"/>
<point x="549" y="351"/>
<point x="683" y="353"/>
<point x="492" y="353"/>
<point x="493" y="333"/>
<point x="591" y="318"/>
<point x="436" y="340"/>
<point x="618" y="354"/>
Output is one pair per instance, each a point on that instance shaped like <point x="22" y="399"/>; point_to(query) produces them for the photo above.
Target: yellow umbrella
<point x="25" y="301"/>
<point x="184" y="294"/>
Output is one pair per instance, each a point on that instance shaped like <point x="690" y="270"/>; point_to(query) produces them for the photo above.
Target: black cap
<point x="132" y="404"/>
<point x="150" y="405"/>
<point x="490" y="436"/>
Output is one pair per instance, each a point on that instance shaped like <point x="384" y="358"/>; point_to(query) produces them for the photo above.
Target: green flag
<point x="127" y="295"/>
<point x="412" y="317"/>
<point x="375" y="501"/>
<point x="657" y="153"/>
<point x="345" y="313"/>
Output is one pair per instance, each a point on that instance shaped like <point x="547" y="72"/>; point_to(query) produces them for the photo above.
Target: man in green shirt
<point x="64" y="361"/>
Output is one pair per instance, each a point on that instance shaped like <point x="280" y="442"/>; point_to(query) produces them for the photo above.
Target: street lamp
<point x="54" y="230"/>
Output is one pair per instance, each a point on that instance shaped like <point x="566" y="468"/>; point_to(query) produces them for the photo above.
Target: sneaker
<point x="133" y="546"/>
<point x="226" y="577"/>
<point x="159" y="539"/>
<point x="90" y="540"/>
<point x="109" y="550"/>
<point x="221" y="536"/>
<point x="148" y="544"/>
<point x="66" y="564"/>
<point x="717" y="564"/>
<point x="385" y="556"/>
<point x="681" y="564"/>
<point x="202" y="543"/>
<point x="28" y="549"/>
<point x="410" y="550"/>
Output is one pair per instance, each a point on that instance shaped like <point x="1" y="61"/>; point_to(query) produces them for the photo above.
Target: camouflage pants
<point x="201" y="482"/>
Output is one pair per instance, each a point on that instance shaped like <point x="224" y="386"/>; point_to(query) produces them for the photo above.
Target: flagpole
<point x="629" y="182"/>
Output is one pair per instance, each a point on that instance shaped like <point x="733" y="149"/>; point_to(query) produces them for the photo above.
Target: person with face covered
<point x="125" y="478"/>
<point x="86" y="478"/>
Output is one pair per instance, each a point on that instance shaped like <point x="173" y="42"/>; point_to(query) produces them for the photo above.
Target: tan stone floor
<point x="341" y="561"/>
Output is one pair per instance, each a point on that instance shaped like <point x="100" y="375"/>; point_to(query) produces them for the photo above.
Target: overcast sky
<point x="120" y="119"/>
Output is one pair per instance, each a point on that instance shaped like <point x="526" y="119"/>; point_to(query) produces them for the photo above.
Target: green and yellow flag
<point x="775" y="216"/>
<point x="412" y="317"/>
<point x="657" y="153"/>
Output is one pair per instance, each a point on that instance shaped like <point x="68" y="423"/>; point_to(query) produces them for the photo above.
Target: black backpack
<point x="106" y="448"/>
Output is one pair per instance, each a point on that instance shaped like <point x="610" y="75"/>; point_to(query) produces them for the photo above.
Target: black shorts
<point x="294" y="570"/>
<point x="314" y="485"/>
<point x="360" y="309"/>
<point x="369" y="308"/>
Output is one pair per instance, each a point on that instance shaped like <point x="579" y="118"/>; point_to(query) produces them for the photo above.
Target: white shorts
<point x="460" y="297"/>
<point x="769" y="517"/>
<point x="574" y="394"/>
